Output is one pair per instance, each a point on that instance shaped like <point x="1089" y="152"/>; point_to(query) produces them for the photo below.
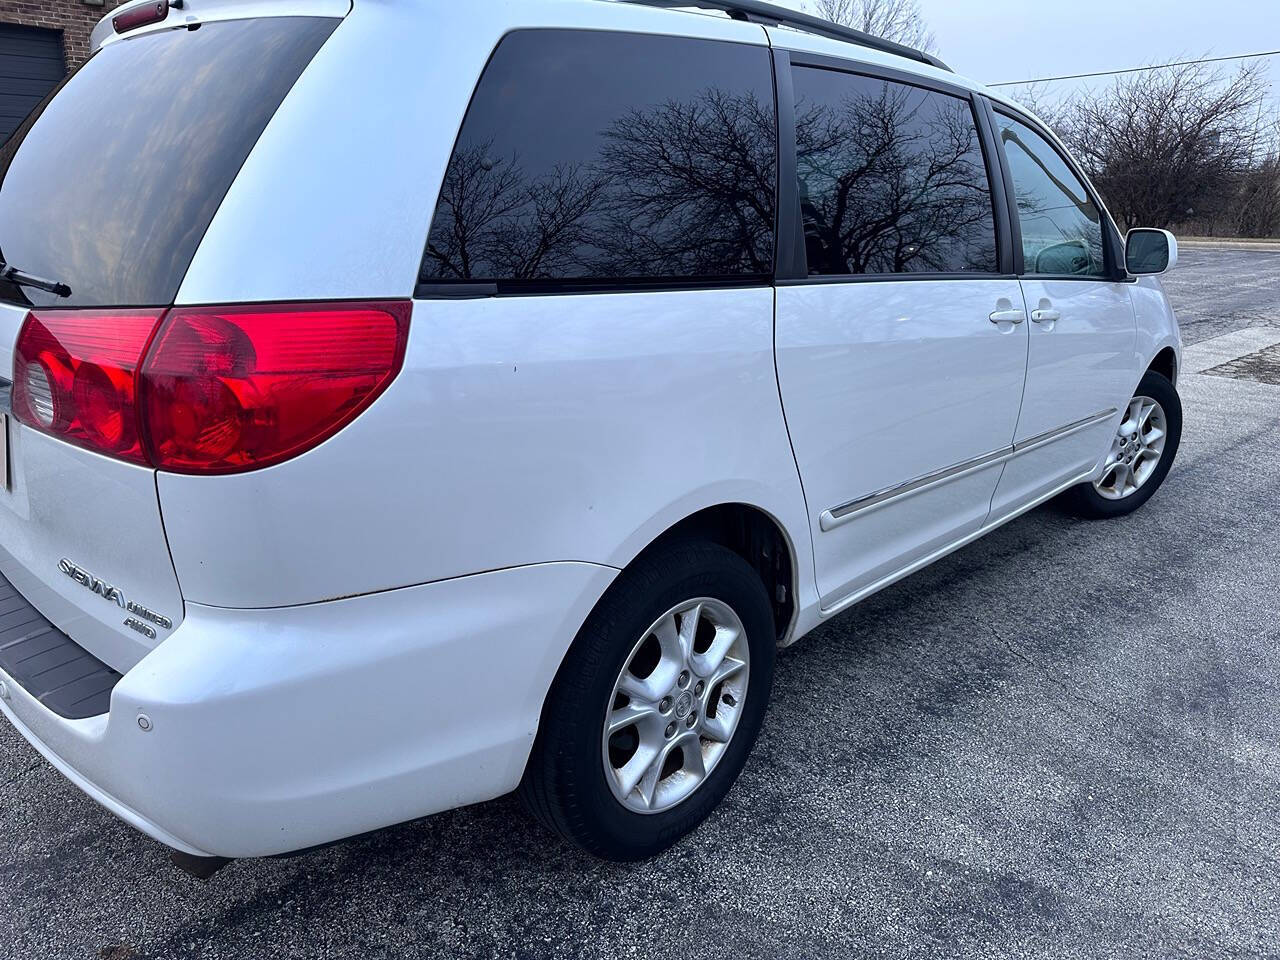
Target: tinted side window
<point x="598" y="157"/>
<point x="110" y="185"/>
<point x="1061" y="226"/>
<point x="892" y="178"/>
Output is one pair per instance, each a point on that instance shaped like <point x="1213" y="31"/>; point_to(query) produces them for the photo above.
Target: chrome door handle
<point x="1008" y="316"/>
<point x="1046" y="316"/>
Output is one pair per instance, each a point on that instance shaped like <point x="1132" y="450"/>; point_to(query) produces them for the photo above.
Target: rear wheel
<point x="656" y="707"/>
<point x="1141" y="454"/>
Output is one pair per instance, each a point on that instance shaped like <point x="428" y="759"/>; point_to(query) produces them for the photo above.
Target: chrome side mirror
<point x="1149" y="252"/>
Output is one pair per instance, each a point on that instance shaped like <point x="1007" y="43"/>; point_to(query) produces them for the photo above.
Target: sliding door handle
<point x="1008" y="316"/>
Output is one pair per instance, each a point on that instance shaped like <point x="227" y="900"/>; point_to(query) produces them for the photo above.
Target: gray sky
<point x="996" y="40"/>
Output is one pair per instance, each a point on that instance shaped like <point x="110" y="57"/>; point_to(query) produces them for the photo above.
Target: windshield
<point x="109" y="186"/>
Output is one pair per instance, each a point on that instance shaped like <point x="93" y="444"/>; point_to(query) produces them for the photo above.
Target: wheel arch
<point x="759" y="538"/>
<point x="752" y="532"/>
<point x="1165" y="363"/>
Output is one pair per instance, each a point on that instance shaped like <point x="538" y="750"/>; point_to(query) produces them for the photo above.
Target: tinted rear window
<point x="596" y="158"/>
<point x="110" y="186"/>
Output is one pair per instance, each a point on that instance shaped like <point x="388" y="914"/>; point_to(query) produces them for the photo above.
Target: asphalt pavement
<point x="1218" y="291"/>
<point x="1062" y="741"/>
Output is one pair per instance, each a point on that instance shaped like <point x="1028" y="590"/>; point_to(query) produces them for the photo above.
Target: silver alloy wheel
<point x="676" y="705"/>
<point x="1136" y="450"/>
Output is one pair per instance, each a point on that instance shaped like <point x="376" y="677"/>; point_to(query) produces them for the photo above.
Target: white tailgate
<point x="101" y="515"/>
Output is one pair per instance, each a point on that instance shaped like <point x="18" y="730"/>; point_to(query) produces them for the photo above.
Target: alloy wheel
<point x="676" y="705"/>
<point x="1135" y="451"/>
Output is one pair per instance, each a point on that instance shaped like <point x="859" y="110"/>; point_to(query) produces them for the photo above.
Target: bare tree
<point x="897" y="20"/>
<point x="1039" y="100"/>
<point x="1168" y="146"/>
<point x="1258" y="204"/>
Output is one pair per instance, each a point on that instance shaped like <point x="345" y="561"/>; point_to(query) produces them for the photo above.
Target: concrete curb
<point x="1207" y="354"/>
<point x="1212" y="243"/>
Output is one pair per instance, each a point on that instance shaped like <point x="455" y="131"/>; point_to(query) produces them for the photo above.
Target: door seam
<point x="782" y="409"/>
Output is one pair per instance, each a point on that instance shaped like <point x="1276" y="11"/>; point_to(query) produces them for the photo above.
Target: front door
<point x="1080" y="369"/>
<point x="902" y="356"/>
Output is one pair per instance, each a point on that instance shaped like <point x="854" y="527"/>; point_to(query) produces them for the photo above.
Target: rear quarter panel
<point x="522" y="430"/>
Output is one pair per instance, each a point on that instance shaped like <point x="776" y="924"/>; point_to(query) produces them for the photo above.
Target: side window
<point x="1061" y="226"/>
<point x="596" y="157"/>
<point x="892" y="178"/>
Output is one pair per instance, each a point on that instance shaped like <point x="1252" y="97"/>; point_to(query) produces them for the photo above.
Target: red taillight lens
<point x="221" y="389"/>
<point x="229" y="389"/>
<point x="74" y="376"/>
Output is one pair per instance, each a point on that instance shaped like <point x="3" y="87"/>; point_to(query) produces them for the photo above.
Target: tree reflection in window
<point x="596" y="157"/>
<point x="495" y="221"/>
<point x="892" y="178"/>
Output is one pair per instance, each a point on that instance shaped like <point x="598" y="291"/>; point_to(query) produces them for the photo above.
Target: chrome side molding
<point x="857" y="595"/>
<point x="1033" y="443"/>
<point x="838" y="516"/>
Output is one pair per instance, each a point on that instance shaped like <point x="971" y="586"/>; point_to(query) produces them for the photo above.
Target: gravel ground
<point x="1062" y="741"/>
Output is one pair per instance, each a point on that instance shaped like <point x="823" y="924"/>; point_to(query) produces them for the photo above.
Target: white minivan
<point x="418" y="401"/>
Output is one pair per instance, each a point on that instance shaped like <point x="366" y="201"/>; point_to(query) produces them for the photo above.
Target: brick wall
<point x="75" y="18"/>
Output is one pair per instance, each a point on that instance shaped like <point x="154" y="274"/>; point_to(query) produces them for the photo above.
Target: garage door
<point x="30" y="66"/>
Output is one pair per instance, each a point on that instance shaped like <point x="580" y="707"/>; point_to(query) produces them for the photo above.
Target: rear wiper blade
<point x="14" y="275"/>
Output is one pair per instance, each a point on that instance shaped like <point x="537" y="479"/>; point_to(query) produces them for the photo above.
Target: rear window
<point x="600" y="158"/>
<point x="111" y="184"/>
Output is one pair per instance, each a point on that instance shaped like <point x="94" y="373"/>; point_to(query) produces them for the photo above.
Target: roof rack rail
<point x="756" y="11"/>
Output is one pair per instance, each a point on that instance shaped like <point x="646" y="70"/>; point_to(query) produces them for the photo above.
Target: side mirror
<point x="1149" y="253"/>
<point x="1066" y="259"/>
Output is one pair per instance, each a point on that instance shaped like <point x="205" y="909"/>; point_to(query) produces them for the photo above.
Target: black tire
<point x="1085" y="501"/>
<point x="564" y="784"/>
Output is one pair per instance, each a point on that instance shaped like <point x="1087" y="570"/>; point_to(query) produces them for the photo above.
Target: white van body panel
<point x="1157" y="327"/>
<point x="1080" y="371"/>
<point x="521" y="430"/>
<point x="944" y="383"/>
<point x="64" y="502"/>
<point x="270" y="731"/>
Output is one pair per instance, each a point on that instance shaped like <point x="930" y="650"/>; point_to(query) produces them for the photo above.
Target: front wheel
<point x="1141" y="454"/>
<point x="656" y="707"/>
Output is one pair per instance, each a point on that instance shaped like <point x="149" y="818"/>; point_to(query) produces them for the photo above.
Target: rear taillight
<point x="75" y="376"/>
<point x="234" y="388"/>
<point x="206" y="389"/>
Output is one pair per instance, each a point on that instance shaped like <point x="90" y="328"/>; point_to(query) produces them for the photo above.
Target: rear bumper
<point x="270" y="731"/>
